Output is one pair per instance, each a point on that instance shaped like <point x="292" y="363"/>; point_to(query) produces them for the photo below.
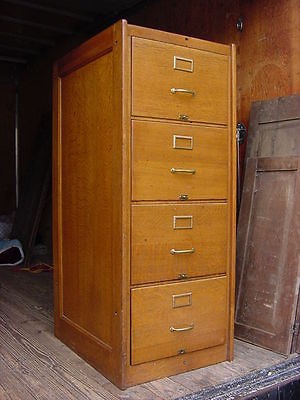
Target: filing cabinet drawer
<point x="169" y="160"/>
<point x="160" y="69"/>
<point x="173" y="319"/>
<point x="178" y="241"/>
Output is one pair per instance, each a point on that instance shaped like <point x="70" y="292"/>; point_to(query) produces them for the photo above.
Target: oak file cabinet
<point x="144" y="202"/>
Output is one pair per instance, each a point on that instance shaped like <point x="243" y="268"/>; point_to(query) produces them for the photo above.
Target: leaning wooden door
<point x="268" y="252"/>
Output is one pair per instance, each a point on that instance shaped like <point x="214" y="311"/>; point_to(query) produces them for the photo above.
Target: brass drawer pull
<point x="184" y="171"/>
<point x="189" y="251"/>
<point x="186" y="328"/>
<point x="179" y="90"/>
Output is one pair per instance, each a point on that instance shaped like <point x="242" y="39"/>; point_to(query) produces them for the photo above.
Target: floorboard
<point x="36" y="365"/>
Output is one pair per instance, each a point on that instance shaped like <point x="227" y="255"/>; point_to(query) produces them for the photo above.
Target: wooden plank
<point x="273" y="132"/>
<point x="267" y="253"/>
<point x="247" y="358"/>
<point x="30" y="354"/>
<point x="138" y="392"/>
<point x="47" y="360"/>
<point x="167" y="388"/>
<point x="274" y="128"/>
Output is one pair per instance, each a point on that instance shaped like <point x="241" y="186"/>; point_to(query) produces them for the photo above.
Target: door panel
<point x="267" y="253"/>
<point x="274" y="128"/>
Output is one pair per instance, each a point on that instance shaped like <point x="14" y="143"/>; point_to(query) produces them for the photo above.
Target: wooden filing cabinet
<point x="144" y="202"/>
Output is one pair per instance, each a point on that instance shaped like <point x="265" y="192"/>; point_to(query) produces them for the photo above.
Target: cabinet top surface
<point x="108" y="38"/>
<point x="182" y="40"/>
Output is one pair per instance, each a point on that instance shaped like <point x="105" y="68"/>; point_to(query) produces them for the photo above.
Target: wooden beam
<point x="51" y="10"/>
<point x="15" y="60"/>
<point x="20" y="49"/>
<point x="23" y="21"/>
<point x="33" y="39"/>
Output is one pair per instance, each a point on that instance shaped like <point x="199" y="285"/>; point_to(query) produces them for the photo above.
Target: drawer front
<point x="169" y="160"/>
<point x="178" y="241"/>
<point x="174" y="319"/>
<point x="160" y="69"/>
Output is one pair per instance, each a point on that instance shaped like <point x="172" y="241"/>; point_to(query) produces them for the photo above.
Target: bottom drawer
<point x="178" y="318"/>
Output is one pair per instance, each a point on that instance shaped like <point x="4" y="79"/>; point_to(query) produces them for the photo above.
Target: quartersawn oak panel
<point x="154" y="313"/>
<point x="87" y="182"/>
<point x="153" y="156"/>
<point x="151" y="259"/>
<point x="152" y="97"/>
<point x="86" y="156"/>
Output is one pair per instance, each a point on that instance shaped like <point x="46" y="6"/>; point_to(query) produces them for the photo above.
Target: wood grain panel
<point x="269" y="55"/>
<point x="84" y="226"/>
<point x="153" y="315"/>
<point x="154" y="156"/>
<point x="268" y="248"/>
<point x="206" y="232"/>
<point x="211" y="20"/>
<point x="152" y="97"/>
<point x="274" y="128"/>
<point x="87" y="189"/>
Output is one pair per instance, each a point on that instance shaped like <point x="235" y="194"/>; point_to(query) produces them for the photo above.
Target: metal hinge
<point x="241" y="132"/>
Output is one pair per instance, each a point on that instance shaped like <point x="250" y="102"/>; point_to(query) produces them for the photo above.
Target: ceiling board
<point x="28" y="28"/>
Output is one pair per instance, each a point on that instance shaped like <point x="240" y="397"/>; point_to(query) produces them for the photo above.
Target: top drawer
<point x="175" y="82"/>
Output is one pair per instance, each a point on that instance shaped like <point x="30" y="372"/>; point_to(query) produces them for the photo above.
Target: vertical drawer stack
<point x="180" y="152"/>
<point x="143" y="202"/>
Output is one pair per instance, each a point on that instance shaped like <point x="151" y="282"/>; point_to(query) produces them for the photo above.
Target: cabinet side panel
<point x="86" y="196"/>
<point x="87" y="211"/>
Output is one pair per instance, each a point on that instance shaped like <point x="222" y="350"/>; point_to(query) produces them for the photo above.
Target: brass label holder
<point x="178" y="221"/>
<point x="183" y="64"/>
<point x="183" y="142"/>
<point x="182" y="300"/>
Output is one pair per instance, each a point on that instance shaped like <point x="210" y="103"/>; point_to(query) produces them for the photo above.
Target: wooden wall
<point x="207" y="19"/>
<point x="269" y="63"/>
<point x="267" y="54"/>
<point x="36" y="99"/>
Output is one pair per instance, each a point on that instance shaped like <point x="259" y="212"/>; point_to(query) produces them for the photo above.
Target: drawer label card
<point x="183" y="64"/>
<point x="182" y="222"/>
<point x="182" y="300"/>
<point x="183" y="142"/>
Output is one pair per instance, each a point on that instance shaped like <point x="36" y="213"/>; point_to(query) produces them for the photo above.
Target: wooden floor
<point x="36" y="365"/>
